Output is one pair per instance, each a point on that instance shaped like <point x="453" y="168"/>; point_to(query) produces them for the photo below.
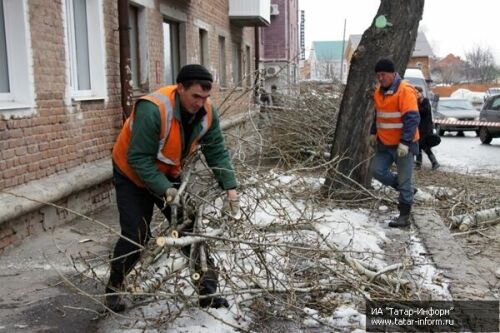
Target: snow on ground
<point x="430" y="278"/>
<point x="359" y="232"/>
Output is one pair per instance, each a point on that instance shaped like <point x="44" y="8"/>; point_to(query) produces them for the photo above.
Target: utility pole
<point x="342" y="55"/>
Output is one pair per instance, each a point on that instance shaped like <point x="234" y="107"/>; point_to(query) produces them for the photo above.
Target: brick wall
<point x="47" y="218"/>
<point x="446" y="91"/>
<point x="423" y="63"/>
<point x="213" y="15"/>
<point x="59" y="137"/>
<point x="63" y="134"/>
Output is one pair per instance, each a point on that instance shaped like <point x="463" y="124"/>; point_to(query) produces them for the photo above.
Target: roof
<point x="422" y="46"/>
<point x="328" y="50"/>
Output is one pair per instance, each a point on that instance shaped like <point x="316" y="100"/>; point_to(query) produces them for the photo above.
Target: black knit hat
<point x="384" y="65"/>
<point x="193" y="72"/>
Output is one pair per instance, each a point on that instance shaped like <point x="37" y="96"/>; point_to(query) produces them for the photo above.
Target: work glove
<point x="232" y="207"/>
<point x="402" y="150"/>
<point x="373" y="140"/>
<point x="170" y="194"/>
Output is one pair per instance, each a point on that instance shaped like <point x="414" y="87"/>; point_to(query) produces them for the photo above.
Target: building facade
<point x="327" y="62"/>
<point x="420" y="58"/>
<point x="279" y="51"/>
<point x="60" y="90"/>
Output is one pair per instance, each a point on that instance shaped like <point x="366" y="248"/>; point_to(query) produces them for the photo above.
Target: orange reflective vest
<point x="390" y="108"/>
<point x="169" y="157"/>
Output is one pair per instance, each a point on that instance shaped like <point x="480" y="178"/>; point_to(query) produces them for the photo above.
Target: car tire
<point x="460" y="133"/>
<point x="485" y="136"/>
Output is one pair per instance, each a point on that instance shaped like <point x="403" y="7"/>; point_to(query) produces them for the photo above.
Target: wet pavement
<point x="41" y="289"/>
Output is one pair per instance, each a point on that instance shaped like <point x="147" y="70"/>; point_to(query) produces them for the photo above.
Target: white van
<point x="417" y="78"/>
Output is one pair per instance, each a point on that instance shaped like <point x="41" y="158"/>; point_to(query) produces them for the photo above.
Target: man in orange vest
<point x="395" y="135"/>
<point x="164" y="129"/>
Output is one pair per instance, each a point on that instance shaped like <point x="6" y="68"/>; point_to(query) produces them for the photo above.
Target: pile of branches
<point x="298" y="129"/>
<point x="274" y="262"/>
<point x="464" y="202"/>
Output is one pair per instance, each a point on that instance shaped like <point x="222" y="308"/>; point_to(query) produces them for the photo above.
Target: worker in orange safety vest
<point x="164" y="130"/>
<point x="395" y="136"/>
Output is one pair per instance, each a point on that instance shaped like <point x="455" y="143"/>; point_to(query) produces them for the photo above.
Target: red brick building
<point x="279" y="45"/>
<point x="60" y="90"/>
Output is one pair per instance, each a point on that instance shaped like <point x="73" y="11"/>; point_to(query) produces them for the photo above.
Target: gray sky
<point x="450" y="26"/>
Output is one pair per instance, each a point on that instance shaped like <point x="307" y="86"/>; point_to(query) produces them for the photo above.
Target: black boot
<point x="418" y="161"/>
<point x="434" y="161"/>
<point x="114" y="301"/>
<point x="208" y="285"/>
<point x="403" y="219"/>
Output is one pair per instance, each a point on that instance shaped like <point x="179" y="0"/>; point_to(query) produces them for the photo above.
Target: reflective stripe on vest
<point x="392" y="114"/>
<point x="389" y="125"/>
<point x="168" y="121"/>
<point x="169" y="155"/>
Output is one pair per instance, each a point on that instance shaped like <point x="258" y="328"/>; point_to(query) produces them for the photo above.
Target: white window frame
<point x="95" y="32"/>
<point x="17" y="39"/>
<point x="174" y="50"/>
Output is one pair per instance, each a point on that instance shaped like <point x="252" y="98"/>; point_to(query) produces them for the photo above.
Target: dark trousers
<point x="135" y="206"/>
<point x="430" y="155"/>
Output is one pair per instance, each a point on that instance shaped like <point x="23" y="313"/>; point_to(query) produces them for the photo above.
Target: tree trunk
<point x="395" y="41"/>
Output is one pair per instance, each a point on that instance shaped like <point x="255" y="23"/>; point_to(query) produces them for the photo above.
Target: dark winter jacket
<point x="425" y="126"/>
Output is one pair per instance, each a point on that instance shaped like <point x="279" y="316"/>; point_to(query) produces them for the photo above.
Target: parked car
<point x="491" y="92"/>
<point x="455" y="109"/>
<point x="490" y="113"/>
<point x="476" y="98"/>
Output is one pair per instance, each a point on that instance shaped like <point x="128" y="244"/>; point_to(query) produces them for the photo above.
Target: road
<point x="467" y="155"/>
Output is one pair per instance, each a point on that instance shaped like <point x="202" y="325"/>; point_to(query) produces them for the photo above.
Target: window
<point x="137" y="47"/>
<point x="222" y="61"/>
<point x="236" y="64"/>
<point x="204" y="47"/>
<point x="16" y="88"/>
<point x="495" y="104"/>
<point x="85" y="48"/>
<point x="171" y="54"/>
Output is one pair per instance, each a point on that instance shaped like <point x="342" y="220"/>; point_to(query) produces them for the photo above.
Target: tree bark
<point x="356" y="114"/>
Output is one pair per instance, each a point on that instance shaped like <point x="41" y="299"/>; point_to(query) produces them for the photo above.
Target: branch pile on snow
<point x="465" y="221"/>
<point x="299" y="130"/>
<point x="290" y="251"/>
<point x="280" y="253"/>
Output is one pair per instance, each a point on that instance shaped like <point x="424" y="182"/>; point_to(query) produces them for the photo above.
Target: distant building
<point x="326" y="60"/>
<point x="449" y="70"/>
<point x="279" y="46"/>
<point x="420" y="58"/>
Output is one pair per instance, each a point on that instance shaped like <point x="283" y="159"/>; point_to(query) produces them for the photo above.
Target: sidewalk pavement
<point x="35" y="297"/>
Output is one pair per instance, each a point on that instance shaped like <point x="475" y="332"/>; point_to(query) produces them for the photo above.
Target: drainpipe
<point x="257" y="62"/>
<point x="125" y="63"/>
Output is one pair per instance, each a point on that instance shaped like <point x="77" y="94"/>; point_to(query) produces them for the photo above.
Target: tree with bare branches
<point x="480" y="64"/>
<point x="392" y="34"/>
